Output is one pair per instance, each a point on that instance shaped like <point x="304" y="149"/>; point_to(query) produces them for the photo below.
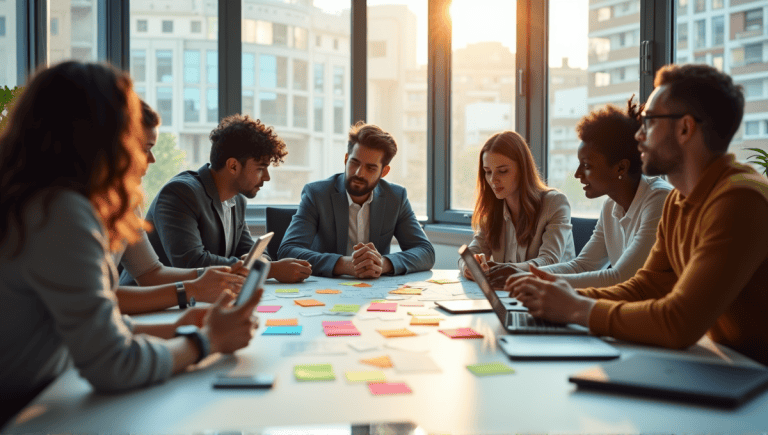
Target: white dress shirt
<point x="621" y="239"/>
<point x="359" y="223"/>
<point x="227" y="222"/>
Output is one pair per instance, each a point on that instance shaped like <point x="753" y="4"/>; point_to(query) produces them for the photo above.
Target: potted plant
<point x="760" y="159"/>
<point x="6" y="102"/>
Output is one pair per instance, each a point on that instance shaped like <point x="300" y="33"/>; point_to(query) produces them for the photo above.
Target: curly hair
<point x="372" y="136"/>
<point x="489" y="210"/>
<point x="612" y="132"/>
<point x="243" y="138"/>
<point x="709" y="95"/>
<point x="93" y="148"/>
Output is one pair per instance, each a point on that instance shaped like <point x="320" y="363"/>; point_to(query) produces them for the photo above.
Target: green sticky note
<point x="351" y="283"/>
<point x="345" y="308"/>
<point x="314" y="372"/>
<point x="379" y="300"/>
<point x="367" y="376"/>
<point x="287" y="290"/>
<point x="487" y="369"/>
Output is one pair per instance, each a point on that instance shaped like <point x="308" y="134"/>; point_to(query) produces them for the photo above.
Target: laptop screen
<point x="485" y="286"/>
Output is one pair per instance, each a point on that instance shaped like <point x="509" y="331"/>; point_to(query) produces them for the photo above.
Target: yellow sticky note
<point x="328" y="291"/>
<point x="425" y="321"/>
<point x="406" y="291"/>
<point x="391" y="333"/>
<point x="282" y="322"/>
<point x="366" y="376"/>
<point x="381" y="361"/>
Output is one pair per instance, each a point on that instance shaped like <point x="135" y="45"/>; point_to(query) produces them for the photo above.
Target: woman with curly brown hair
<point x="69" y="183"/>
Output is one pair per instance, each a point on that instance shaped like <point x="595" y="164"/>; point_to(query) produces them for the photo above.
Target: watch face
<point x="186" y="329"/>
<point x="192" y="301"/>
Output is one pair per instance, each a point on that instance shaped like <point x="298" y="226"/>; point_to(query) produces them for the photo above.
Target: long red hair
<point x="489" y="210"/>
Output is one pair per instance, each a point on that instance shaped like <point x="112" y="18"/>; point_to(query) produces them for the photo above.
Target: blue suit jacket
<point x="187" y="220"/>
<point x="318" y="230"/>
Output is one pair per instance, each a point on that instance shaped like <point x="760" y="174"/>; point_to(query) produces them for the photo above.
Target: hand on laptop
<point x="499" y="272"/>
<point x="550" y="298"/>
<point x="290" y="270"/>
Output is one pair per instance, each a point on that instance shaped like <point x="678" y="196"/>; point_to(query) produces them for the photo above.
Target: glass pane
<point x="482" y="87"/>
<point x="397" y="89"/>
<point x="8" y="66"/>
<point x="72" y="30"/>
<point x="291" y="89"/>
<point x="737" y="47"/>
<point x="174" y="62"/>
<point x="593" y="61"/>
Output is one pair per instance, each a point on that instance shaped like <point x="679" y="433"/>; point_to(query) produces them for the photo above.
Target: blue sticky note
<point x="282" y="330"/>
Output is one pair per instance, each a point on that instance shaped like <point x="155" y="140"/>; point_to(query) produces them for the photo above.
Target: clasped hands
<point x="365" y="262"/>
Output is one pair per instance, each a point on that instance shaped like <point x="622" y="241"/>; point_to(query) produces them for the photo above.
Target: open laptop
<point x="676" y="379"/>
<point x="562" y="341"/>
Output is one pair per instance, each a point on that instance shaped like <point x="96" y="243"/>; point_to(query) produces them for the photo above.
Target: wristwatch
<point x="181" y="294"/>
<point x="193" y="333"/>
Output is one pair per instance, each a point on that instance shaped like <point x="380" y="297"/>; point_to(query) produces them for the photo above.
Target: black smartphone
<point x="256" y="381"/>
<point x="253" y="282"/>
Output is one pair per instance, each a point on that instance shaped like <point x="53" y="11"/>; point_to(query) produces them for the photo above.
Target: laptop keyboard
<point x="524" y="323"/>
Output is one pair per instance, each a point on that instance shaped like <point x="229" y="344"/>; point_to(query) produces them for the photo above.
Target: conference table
<point x="445" y="396"/>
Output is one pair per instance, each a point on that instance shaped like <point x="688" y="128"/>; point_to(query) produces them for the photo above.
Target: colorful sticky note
<point x="461" y="333"/>
<point x="381" y="361"/>
<point x="351" y="283"/>
<point x="287" y="290"/>
<point x="309" y="303"/>
<point x="406" y="291"/>
<point x="391" y="333"/>
<point x="268" y="308"/>
<point x="391" y="307"/>
<point x="282" y="330"/>
<point x="382" y="388"/>
<point x="411" y="304"/>
<point x="328" y="291"/>
<point x="282" y="322"/>
<point x="345" y="308"/>
<point x="339" y="328"/>
<point x="314" y="372"/>
<point x="425" y="321"/>
<point x="487" y="369"/>
<point x="443" y="281"/>
<point x="362" y="284"/>
<point x="369" y="376"/>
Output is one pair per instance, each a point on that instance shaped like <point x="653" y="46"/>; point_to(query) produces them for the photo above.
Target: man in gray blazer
<point x="199" y="216"/>
<point x="345" y="224"/>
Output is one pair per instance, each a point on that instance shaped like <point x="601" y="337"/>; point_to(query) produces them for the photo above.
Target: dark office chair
<point x="278" y="220"/>
<point x="582" y="231"/>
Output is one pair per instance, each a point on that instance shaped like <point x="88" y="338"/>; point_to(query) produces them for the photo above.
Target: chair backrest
<point x="582" y="231"/>
<point x="278" y="220"/>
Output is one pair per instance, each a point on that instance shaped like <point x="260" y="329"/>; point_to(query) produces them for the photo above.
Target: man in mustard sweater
<point x="708" y="271"/>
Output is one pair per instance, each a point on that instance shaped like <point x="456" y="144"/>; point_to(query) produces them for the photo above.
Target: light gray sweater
<point x="58" y="305"/>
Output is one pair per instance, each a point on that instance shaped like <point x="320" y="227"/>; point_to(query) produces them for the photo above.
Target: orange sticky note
<point x="382" y="361"/>
<point x="425" y="321"/>
<point x="461" y="333"/>
<point x="282" y="322"/>
<point x="309" y="303"/>
<point x="390" y="333"/>
<point x="362" y="284"/>
<point x="328" y="291"/>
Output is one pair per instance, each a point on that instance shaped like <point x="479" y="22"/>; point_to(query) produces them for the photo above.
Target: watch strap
<point x="201" y="341"/>
<point x="181" y="294"/>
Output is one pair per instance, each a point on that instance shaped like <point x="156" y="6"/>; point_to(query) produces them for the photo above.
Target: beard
<point x="654" y="164"/>
<point x="361" y="190"/>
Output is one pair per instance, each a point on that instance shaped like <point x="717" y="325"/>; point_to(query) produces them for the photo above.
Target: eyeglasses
<point x="645" y="118"/>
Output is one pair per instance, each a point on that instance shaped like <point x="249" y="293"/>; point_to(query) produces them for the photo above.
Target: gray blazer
<point x="318" y="231"/>
<point x="187" y="220"/>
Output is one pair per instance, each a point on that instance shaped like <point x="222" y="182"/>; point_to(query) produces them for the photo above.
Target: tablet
<point x="539" y="347"/>
<point x="258" y="248"/>
<point x="253" y="282"/>
<point x="467" y="306"/>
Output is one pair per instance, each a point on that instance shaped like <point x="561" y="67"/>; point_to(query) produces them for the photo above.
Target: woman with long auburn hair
<point x="69" y="182"/>
<point x="518" y="219"/>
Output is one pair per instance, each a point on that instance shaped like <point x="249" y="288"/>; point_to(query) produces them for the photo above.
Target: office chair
<point x="278" y="220"/>
<point x="582" y="231"/>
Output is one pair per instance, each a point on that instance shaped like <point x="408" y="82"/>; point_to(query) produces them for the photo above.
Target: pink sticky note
<point x="380" y="388"/>
<point x="461" y="333"/>
<point x="268" y="308"/>
<point x="379" y="306"/>
<point x="339" y="332"/>
<point x="337" y="323"/>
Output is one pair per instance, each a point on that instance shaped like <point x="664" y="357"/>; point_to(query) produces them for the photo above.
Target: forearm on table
<point x="137" y="300"/>
<point x="166" y="275"/>
<point x="160" y="330"/>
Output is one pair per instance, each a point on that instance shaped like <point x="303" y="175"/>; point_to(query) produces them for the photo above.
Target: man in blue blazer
<point x="345" y="224"/>
<point x="198" y="217"/>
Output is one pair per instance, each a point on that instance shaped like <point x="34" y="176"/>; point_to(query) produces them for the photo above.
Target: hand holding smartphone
<point x="253" y="282"/>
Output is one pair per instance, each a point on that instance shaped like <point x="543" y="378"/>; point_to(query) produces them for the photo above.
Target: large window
<point x="397" y="69"/>
<point x="72" y="30"/>
<point x="8" y="65"/>
<point x="482" y="88"/>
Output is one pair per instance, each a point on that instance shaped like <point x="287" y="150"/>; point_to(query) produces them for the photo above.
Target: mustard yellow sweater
<point x="707" y="272"/>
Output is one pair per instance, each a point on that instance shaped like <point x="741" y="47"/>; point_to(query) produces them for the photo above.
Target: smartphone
<point x="259" y="246"/>
<point x="234" y="381"/>
<point x="253" y="282"/>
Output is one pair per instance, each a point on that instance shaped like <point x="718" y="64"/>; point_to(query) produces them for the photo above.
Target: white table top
<point x="537" y="398"/>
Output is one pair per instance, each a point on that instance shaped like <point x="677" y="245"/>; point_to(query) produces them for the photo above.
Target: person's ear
<point x="233" y="165"/>
<point x="384" y="171"/>
<point x="346" y="157"/>
<point x="622" y="168"/>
